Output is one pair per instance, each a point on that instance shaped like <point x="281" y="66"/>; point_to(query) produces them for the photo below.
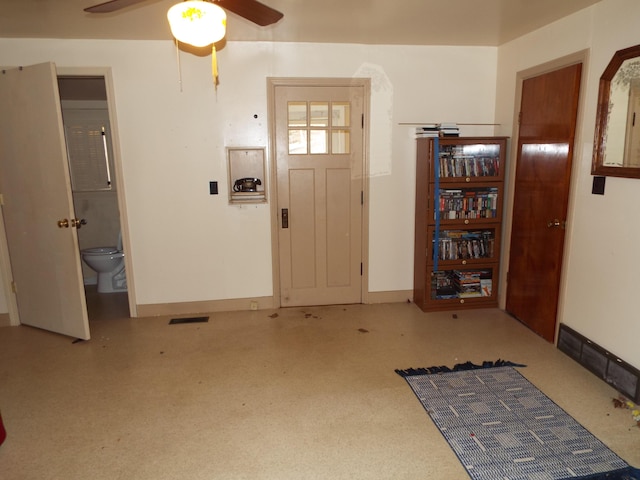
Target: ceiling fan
<point x="252" y="10"/>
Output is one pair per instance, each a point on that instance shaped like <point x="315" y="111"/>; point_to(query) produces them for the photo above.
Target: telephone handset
<point x="246" y="184"/>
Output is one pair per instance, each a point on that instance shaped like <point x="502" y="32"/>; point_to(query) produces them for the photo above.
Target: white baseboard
<point x="257" y="303"/>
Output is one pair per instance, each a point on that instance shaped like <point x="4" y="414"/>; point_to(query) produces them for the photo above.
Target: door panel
<point x="543" y="171"/>
<point x="303" y="230"/>
<point x="319" y="165"/>
<point x="338" y="225"/>
<point x="35" y="185"/>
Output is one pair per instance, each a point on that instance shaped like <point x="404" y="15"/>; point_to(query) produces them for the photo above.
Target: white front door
<point x="37" y="203"/>
<point x="319" y="150"/>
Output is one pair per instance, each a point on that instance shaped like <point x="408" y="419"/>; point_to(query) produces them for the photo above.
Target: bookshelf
<point x="459" y="197"/>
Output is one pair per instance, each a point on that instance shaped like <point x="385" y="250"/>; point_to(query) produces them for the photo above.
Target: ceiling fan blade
<point x="111" y="6"/>
<point x="252" y="10"/>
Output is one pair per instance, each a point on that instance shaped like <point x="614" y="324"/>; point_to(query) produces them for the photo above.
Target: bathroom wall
<point x="99" y="208"/>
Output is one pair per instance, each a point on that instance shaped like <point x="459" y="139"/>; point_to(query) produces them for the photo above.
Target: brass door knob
<point x="64" y="223"/>
<point x="77" y="223"/>
<point x="556" y="224"/>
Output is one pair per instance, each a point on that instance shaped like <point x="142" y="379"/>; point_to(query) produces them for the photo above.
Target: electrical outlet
<point x="254" y="305"/>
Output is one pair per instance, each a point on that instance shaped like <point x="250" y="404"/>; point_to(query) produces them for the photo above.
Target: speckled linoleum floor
<point x="299" y="393"/>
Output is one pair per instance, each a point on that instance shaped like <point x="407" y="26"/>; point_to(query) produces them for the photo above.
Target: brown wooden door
<point x="545" y="149"/>
<point x="319" y="148"/>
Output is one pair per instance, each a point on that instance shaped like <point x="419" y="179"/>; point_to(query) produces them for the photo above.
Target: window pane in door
<point x="297" y="114"/>
<point x="319" y="113"/>
<point x="340" y="114"/>
<point x="340" y="141"/>
<point x="297" y="142"/>
<point x="319" y="141"/>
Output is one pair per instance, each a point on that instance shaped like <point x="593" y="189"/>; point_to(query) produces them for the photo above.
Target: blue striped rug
<point x="502" y="427"/>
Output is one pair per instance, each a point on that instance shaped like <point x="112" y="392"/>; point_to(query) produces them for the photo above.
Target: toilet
<point x="108" y="262"/>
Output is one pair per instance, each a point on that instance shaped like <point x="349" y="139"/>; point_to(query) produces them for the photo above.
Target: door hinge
<point x="361" y="268"/>
<point x="361" y="197"/>
<point x="519" y="118"/>
<point x="362" y="120"/>
<point x="14" y="287"/>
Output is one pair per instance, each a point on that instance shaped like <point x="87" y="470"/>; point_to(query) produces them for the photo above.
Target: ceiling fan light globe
<point x="197" y="23"/>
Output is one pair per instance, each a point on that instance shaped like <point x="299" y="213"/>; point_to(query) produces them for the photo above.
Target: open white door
<point x="37" y="203"/>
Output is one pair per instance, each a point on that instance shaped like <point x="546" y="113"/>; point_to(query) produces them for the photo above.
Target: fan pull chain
<point x="179" y="66"/>
<point x="214" y="66"/>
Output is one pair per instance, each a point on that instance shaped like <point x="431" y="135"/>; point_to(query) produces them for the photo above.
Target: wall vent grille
<point x="619" y="374"/>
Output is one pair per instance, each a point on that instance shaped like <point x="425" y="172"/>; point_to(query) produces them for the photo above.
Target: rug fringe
<point x="628" y="473"/>
<point x="409" y="372"/>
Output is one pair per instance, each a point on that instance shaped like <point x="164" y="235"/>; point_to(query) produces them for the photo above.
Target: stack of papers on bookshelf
<point x="428" y="130"/>
<point x="438" y="130"/>
<point x="449" y="130"/>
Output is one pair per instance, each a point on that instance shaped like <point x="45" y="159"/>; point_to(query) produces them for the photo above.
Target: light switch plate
<point x="598" y="185"/>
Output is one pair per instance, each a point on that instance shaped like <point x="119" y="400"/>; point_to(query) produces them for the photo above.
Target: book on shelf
<point x="486" y="286"/>
<point x="448" y="284"/>
<point x="471" y="203"/>
<point x="453" y="162"/>
<point x="462" y="245"/>
<point x="442" y="286"/>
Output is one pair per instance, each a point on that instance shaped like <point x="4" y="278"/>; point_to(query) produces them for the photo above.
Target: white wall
<point x="600" y="284"/>
<point x="190" y="246"/>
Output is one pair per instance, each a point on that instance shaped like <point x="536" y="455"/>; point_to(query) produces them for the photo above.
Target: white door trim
<point x="122" y="203"/>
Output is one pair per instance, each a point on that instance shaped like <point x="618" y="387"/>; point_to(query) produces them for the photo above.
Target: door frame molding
<point x="272" y="83"/>
<point x="581" y="56"/>
<point x="106" y="72"/>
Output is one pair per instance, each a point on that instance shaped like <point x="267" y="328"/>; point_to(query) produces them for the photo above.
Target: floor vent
<point x="616" y="372"/>
<point x="175" y="321"/>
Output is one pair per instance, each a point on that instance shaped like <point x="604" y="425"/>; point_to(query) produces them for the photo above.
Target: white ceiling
<point x="399" y="22"/>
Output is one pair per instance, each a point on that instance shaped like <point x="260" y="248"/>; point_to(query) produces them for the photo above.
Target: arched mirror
<point x="616" y="151"/>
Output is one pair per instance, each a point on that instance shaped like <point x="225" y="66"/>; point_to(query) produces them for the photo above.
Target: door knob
<point x="78" y="223"/>
<point x="64" y="223"/>
<point x="556" y="224"/>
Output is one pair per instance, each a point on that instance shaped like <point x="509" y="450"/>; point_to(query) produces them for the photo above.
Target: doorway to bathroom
<point x="94" y="186"/>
